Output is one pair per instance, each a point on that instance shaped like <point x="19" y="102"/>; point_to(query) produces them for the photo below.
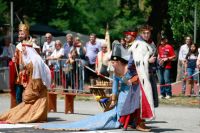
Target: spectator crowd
<point x="67" y="61"/>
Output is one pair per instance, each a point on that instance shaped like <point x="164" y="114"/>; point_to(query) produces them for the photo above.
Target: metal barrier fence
<point x="71" y="77"/>
<point x="4" y="78"/>
<point x="68" y="77"/>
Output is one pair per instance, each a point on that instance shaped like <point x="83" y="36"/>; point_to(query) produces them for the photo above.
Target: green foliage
<point x="84" y="16"/>
<point x="3" y="7"/>
<point x="3" y="11"/>
<point x="181" y="17"/>
<point x="145" y="6"/>
<point x="62" y="24"/>
<point x="4" y="19"/>
<point x="87" y="16"/>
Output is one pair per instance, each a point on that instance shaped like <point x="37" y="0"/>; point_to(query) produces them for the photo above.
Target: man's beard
<point x="22" y="39"/>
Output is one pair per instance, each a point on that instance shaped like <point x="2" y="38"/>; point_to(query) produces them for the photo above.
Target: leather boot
<point x="142" y="127"/>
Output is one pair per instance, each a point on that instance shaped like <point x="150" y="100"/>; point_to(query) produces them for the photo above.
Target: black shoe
<point x="121" y="126"/>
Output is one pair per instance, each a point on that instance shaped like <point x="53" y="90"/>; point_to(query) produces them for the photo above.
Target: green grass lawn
<point x="175" y="100"/>
<point x="193" y="101"/>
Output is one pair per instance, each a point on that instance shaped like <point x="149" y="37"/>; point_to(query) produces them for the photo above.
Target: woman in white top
<point x="102" y="61"/>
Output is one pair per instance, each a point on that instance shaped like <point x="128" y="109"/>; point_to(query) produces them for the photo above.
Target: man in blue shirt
<point x="92" y="49"/>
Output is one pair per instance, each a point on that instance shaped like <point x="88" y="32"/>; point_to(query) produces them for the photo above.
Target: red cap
<point x="132" y="33"/>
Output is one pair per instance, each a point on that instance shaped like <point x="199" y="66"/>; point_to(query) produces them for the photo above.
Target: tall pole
<point x="195" y="23"/>
<point x="11" y="22"/>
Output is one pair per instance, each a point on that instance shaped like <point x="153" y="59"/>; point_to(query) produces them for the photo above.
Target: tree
<point x="181" y="18"/>
<point x="131" y="14"/>
<point x="4" y="19"/>
<point x="159" y="19"/>
<point x="85" y="16"/>
<point x="3" y="9"/>
<point x="88" y="16"/>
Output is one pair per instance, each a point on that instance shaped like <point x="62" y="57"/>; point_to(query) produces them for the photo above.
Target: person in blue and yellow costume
<point x="120" y="89"/>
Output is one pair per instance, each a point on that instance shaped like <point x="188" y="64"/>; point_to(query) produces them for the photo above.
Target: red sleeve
<point x="12" y="76"/>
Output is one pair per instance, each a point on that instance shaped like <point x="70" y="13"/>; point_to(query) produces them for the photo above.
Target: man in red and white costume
<point x="142" y="55"/>
<point x="16" y="66"/>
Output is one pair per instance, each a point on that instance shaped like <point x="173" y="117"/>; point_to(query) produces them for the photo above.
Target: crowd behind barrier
<point x="69" y="76"/>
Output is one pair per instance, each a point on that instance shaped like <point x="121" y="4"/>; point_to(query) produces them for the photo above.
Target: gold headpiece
<point x="24" y="28"/>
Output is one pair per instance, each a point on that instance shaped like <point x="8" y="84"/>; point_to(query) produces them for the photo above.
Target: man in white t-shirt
<point x="55" y="63"/>
<point x="49" y="45"/>
<point x="184" y="49"/>
<point x="58" y="52"/>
